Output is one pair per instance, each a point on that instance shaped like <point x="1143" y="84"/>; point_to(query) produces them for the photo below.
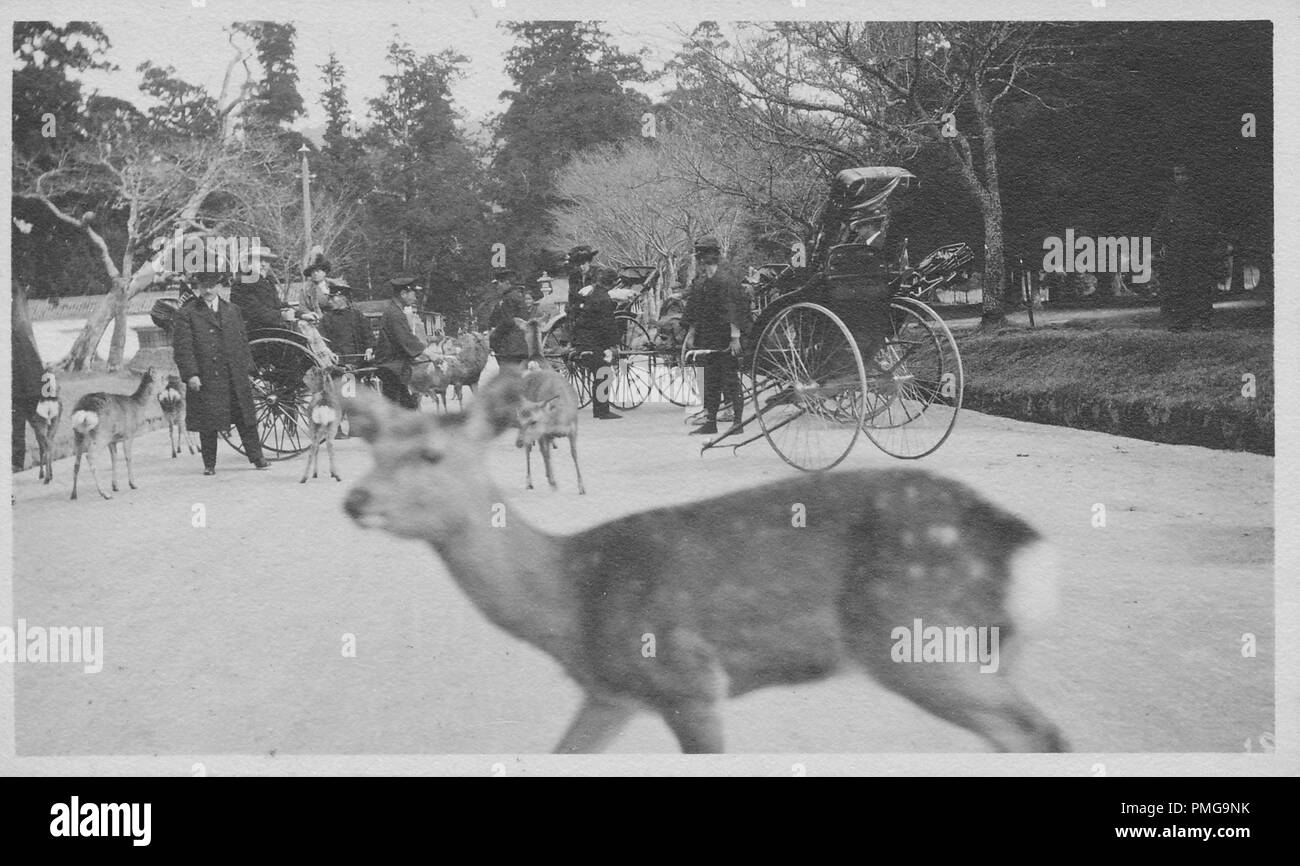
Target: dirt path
<point x="227" y="638"/>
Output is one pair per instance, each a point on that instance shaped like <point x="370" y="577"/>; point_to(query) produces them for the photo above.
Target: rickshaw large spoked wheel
<point x="808" y="379"/>
<point x="280" y="397"/>
<point x="556" y="348"/>
<point x="914" y="383"/>
<point x="677" y="380"/>
<point x="633" y="378"/>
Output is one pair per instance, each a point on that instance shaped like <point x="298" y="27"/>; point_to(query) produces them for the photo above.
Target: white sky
<point x="199" y="51"/>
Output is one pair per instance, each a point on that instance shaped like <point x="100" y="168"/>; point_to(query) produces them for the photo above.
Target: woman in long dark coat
<point x="210" y="345"/>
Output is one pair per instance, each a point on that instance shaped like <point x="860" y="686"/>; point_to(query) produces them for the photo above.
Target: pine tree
<point x="571" y="92"/>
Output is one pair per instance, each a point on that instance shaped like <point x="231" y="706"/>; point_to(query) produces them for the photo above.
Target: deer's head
<point x="536" y="419"/>
<point x="429" y="475"/>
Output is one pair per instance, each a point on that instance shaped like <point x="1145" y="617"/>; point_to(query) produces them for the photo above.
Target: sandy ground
<point x="227" y="638"/>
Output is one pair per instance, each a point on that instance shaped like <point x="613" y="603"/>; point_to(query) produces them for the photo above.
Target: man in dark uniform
<point x="25" y="385"/>
<point x="256" y="291"/>
<point x="596" y="335"/>
<point x="581" y="260"/>
<point x="399" y="347"/>
<point x="507" y="338"/>
<point x="210" y="346"/>
<point x="346" y="329"/>
<point x="343" y="326"/>
<point x="717" y="315"/>
<point x="1187" y="240"/>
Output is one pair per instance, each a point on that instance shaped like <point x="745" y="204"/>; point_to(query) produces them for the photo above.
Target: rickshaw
<point x="844" y="346"/>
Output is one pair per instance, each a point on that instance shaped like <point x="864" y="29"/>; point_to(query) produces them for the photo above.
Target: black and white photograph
<point x="459" y="388"/>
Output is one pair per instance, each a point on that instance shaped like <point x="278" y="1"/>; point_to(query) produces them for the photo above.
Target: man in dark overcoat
<point x="1187" y="239"/>
<point x="717" y="315"/>
<point x="581" y="260"/>
<point x="399" y="347"/>
<point x="506" y="337"/>
<point x="596" y="338"/>
<point x="26" y="386"/>
<point x="210" y="345"/>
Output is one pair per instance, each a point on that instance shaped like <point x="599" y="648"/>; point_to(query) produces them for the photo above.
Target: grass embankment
<point x="1131" y="379"/>
<point x="72" y="387"/>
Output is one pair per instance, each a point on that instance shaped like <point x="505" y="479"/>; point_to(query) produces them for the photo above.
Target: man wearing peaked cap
<point x="344" y="325"/>
<point x="717" y="315"/>
<point x="399" y="347"/>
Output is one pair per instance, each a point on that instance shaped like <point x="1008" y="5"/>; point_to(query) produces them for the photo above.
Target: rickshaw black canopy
<point x="865" y="191"/>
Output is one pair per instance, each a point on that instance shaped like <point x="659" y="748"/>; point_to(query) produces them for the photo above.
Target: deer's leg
<point x="130" y="474"/>
<point x="329" y="448"/>
<point x="597" y="723"/>
<point x="76" y="470"/>
<point x="311" y="452"/>
<point x="90" y="463"/>
<point x="112" y="459"/>
<point x="696" y="725"/>
<point x="573" y="452"/>
<point x="50" y="432"/>
<point x="547" y="444"/>
<point x="528" y="465"/>
<point x="986" y="704"/>
<point x="39" y="430"/>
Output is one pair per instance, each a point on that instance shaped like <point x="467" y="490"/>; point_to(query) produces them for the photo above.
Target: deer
<point x="109" y="418"/>
<point x="324" y="412"/>
<point x="673" y="610"/>
<point x="547" y="410"/>
<point x="455" y="362"/>
<point x="44" y="419"/>
<point x="172" y="401"/>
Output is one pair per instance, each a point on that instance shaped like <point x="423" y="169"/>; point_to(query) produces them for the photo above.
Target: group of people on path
<point x="717" y="316"/>
<point x="210" y="342"/>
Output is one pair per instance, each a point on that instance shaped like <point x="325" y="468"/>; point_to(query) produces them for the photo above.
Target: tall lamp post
<point x="306" y="202"/>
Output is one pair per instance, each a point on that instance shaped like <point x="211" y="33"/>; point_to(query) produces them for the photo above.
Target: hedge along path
<point x="1184" y="389"/>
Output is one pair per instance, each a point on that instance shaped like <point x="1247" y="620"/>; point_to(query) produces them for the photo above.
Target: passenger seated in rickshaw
<point x="256" y="291"/>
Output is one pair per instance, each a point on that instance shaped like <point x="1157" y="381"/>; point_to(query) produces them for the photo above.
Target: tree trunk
<point x="994" y="263"/>
<point x="117" y="342"/>
<point x="83" y="352"/>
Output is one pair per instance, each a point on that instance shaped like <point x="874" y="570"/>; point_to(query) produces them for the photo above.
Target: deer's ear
<point x="367" y="414"/>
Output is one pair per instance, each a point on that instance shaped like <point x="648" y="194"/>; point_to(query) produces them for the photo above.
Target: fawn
<point x="730" y="593"/>
<point x="44" y="419"/>
<point x="108" y="418"/>
<point x="324" y="413"/>
<point x="172" y="401"/>
<point x="547" y="410"/>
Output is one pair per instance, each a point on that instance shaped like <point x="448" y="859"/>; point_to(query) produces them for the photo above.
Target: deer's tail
<point x="84" y="420"/>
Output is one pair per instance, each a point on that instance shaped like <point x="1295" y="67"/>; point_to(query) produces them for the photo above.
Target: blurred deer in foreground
<point x="101" y="418"/>
<point x="44" y="419"/>
<point x="548" y="409"/>
<point x="324" y="412"/>
<point x="673" y="610"/>
<point x="172" y="401"/>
